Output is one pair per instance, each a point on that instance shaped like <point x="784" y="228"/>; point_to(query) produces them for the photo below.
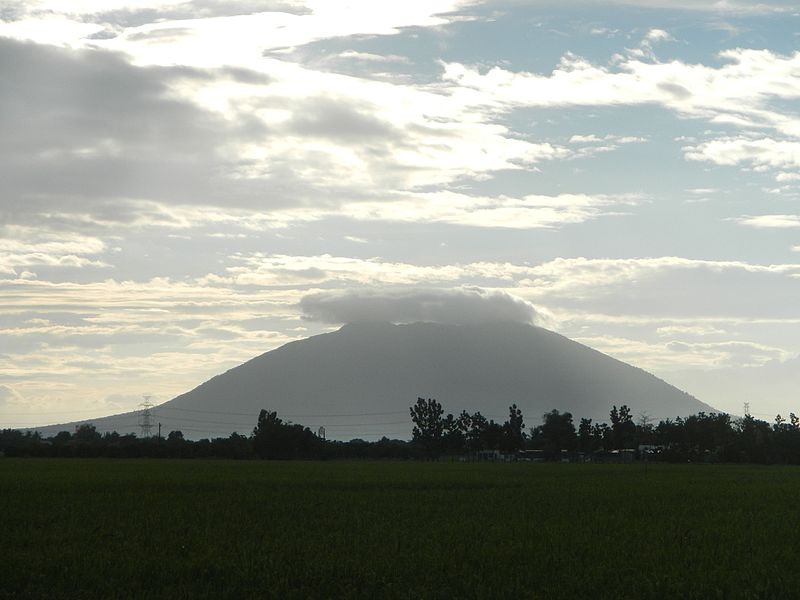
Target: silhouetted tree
<point x="586" y="438"/>
<point x="601" y="433"/>
<point x="623" y="429"/>
<point x="513" y="430"/>
<point x="454" y="439"/>
<point x="272" y="438"/>
<point x="556" y="433"/>
<point x="266" y="434"/>
<point x="476" y="426"/>
<point x="428" y="425"/>
<point x="86" y="433"/>
<point x="754" y="440"/>
<point x="492" y="436"/>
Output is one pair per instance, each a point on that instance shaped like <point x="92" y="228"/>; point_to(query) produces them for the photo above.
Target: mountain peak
<point x="360" y="380"/>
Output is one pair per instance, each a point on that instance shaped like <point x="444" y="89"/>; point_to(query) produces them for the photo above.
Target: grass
<point x="217" y="529"/>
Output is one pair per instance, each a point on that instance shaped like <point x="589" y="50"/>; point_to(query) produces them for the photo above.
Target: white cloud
<point x="692" y="330"/>
<point x="356" y="239"/>
<point x="9" y="396"/>
<point x="605" y="31"/>
<point x="49" y="29"/>
<point x="242" y="39"/>
<point x="585" y="275"/>
<point x="591" y="145"/>
<point x="673" y="355"/>
<point x="585" y="139"/>
<point x="275" y="270"/>
<point x="658" y="35"/>
<point x="763" y="152"/>
<point x="26" y="247"/>
<point x="260" y="283"/>
<point x="595" y="139"/>
<point x="182" y="33"/>
<point x="382" y="135"/>
<point x="740" y="91"/>
<point x="770" y="221"/>
<point x="89" y="7"/>
<point x="670" y="287"/>
<point x="529" y="212"/>
<point x="645" y="48"/>
<point x="703" y="191"/>
<point x="369" y="57"/>
<point x="730" y="353"/>
<point x="458" y="306"/>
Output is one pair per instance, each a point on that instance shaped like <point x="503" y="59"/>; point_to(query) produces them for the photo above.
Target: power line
<point x="181" y="420"/>
<point x="221" y="430"/>
<point x="161" y="408"/>
<point x="215" y="412"/>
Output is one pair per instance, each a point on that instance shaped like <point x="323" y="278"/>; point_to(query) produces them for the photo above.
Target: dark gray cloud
<point x="456" y="306"/>
<point x="84" y="131"/>
<point x="168" y="34"/>
<point x="680" y="92"/>
<point x="339" y="119"/>
<point x="87" y="136"/>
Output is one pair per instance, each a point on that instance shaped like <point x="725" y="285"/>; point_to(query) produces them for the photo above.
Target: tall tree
<point x="267" y="438"/>
<point x="427" y="416"/>
<point x="473" y="428"/>
<point x="623" y="429"/>
<point x="586" y="439"/>
<point x="453" y="438"/>
<point x="556" y="433"/>
<point x="513" y="430"/>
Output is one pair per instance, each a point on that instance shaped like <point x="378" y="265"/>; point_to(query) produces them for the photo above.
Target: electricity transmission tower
<point x="746" y="409"/>
<point x="146" y="417"/>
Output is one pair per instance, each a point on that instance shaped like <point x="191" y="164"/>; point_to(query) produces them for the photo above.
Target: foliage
<point x="704" y="437"/>
<point x="513" y="430"/>
<point x="556" y="433"/>
<point x="429" y="425"/>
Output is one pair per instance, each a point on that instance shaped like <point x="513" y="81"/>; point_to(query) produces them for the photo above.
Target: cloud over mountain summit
<point x="454" y="306"/>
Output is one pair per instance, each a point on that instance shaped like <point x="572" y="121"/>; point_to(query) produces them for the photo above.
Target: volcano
<point x="359" y="381"/>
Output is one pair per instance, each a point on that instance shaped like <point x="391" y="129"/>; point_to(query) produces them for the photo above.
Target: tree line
<point x="704" y="437"/>
<point x="272" y="438"/>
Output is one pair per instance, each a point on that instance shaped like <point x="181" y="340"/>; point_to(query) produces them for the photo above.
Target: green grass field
<point x="214" y="529"/>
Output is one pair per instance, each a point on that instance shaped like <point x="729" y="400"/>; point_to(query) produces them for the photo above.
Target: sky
<point x="186" y="185"/>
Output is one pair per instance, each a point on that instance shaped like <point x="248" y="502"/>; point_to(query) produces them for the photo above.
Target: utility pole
<point x="159" y="432"/>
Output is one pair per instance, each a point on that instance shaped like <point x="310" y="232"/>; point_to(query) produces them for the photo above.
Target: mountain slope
<point x="359" y="381"/>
